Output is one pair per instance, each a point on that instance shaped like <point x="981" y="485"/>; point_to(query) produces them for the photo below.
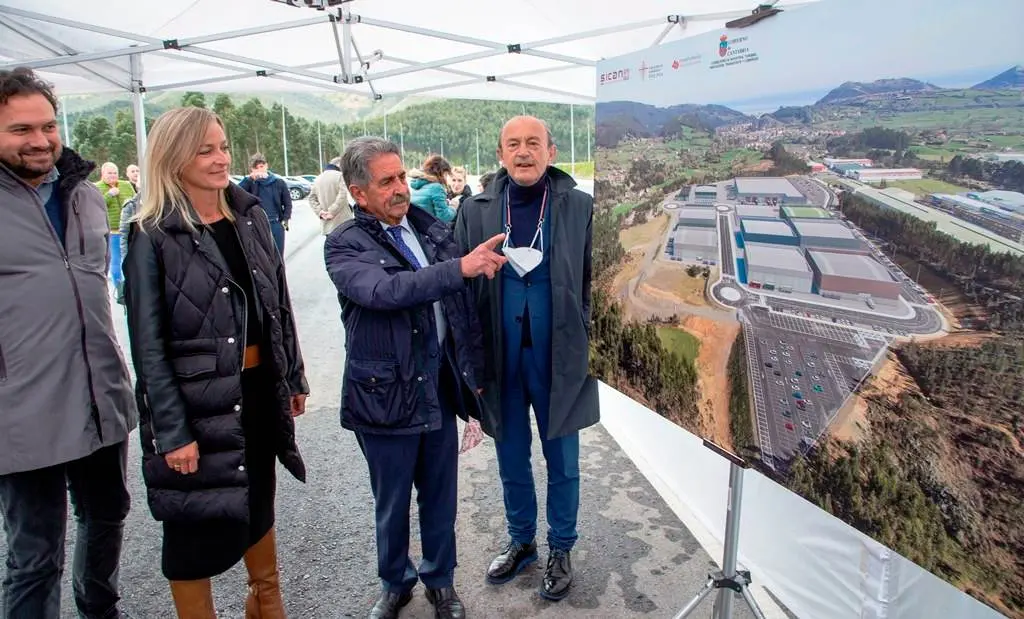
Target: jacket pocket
<point x="195" y="366"/>
<point x="373" y="394"/>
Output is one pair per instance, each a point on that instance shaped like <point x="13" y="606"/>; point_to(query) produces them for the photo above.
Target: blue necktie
<point x="396" y="234"/>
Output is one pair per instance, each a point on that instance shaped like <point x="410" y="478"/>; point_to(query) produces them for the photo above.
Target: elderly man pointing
<point x="413" y="362"/>
<point x="536" y="317"/>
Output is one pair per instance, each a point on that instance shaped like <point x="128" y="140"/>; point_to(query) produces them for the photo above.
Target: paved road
<point x="634" y="559"/>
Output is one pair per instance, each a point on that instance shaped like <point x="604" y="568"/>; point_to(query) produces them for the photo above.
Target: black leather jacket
<point x="186" y="320"/>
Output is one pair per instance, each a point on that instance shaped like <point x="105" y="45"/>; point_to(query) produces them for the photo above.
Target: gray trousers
<point x="34" y="505"/>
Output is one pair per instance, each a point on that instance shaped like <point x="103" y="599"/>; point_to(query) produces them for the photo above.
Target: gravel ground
<point x="634" y="557"/>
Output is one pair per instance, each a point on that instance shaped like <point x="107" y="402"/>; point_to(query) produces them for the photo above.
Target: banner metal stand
<point x="727" y="581"/>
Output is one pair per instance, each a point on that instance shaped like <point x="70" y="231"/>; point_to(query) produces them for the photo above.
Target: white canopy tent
<point x="510" y="50"/>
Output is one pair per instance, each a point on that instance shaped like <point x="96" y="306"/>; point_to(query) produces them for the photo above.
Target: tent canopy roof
<point x="394" y="48"/>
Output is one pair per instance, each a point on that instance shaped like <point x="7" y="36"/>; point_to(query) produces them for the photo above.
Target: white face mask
<point x="525" y="259"/>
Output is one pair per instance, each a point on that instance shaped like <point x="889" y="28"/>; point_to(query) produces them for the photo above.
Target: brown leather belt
<point x="252" y="356"/>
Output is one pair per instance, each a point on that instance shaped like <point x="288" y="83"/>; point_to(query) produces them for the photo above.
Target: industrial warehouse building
<point x="696" y="217"/>
<point x="841" y="276"/>
<point x="777" y="267"/>
<point x="693" y="245"/>
<point x="773" y="191"/>
<point x="805" y="212"/>
<point x="704" y="194"/>
<point x="827" y="234"/>
<point x="750" y="211"/>
<point x="774" y="231"/>
<point x="877" y="175"/>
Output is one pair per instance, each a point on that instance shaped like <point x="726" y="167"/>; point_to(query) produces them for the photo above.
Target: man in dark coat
<point x="274" y="197"/>
<point x="537" y="319"/>
<point x="414" y="361"/>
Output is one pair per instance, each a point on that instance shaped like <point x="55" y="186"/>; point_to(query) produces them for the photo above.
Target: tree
<point x="194" y="99"/>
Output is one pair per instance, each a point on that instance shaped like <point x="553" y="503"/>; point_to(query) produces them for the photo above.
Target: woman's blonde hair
<point x="173" y="142"/>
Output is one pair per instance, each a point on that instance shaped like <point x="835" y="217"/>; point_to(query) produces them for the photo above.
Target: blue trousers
<point x="527" y="381"/>
<point x="34" y="505"/>
<point x="428" y="461"/>
<point x="277" y="231"/>
<point x="114" y="267"/>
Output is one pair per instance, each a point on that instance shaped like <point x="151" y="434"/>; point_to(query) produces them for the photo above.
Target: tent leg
<point x="138" y="106"/>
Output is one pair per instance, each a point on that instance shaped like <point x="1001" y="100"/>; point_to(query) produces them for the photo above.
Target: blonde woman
<point x="220" y="375"/>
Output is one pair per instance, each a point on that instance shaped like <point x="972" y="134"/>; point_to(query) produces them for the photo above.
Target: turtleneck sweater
<point x="524" y="203"/>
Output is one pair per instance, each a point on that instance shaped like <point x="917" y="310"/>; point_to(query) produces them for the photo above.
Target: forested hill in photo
<point x="897" y="102"/>
<point x="450" y="126"/>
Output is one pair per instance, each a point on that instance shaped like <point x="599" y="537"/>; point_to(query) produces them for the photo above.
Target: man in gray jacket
<point x="66" y="403"/>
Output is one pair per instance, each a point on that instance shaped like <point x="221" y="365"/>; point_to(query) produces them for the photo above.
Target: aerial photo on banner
<point x="820" y="220"/>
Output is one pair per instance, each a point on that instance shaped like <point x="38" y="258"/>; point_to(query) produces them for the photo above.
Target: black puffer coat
<point x="186" y="319"/>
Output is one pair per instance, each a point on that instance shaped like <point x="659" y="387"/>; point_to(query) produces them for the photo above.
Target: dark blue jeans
<point x="34" y="506"/>
<point x="428" y="461"/>
<point x="277" y="231"/>
<point x="527" y="381"/>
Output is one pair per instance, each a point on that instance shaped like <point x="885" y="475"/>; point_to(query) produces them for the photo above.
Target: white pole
<point x="138" y="105"/>
<point x="588" y="140"/>
<point x="478" y="152"/>
<point x="385" y="126"/>
<point x="64" y="114"/>
<point x="284" y="139"/>
<point x="442" y="147"/>
<point x="320" y="145"/>
<point x="364" y="127"/>
<point x="343" y="138"/>
<point x="572" y="139"/>
<point x="401" y="139"/>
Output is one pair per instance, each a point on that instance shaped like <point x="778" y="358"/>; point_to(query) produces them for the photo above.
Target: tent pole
<point x="138" y="107"/>
<point x="401" y="139"/>
<point x="385" y="126"/>
<point x="346" y="46"/>
<point x="478" y="152"/>
<point x="572" y="139"/>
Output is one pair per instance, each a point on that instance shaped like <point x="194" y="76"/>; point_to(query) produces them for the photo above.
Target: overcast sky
<point x="805" y="52"/>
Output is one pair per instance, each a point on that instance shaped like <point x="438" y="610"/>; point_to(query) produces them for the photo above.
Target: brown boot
<point x="193" y="599"/>
<point x="264" y="601"/>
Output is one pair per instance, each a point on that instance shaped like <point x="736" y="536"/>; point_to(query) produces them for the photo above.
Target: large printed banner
<point x="821" y="217"/>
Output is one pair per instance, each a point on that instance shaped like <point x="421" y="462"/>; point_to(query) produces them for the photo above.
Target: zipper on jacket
<point x="81" y="233"/>
<point x="93" y="408"/>
<point x="245" y="301"/>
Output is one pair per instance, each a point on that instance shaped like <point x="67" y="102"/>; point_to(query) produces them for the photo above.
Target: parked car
<point x="298" y="187"/>
<point x="308" y="177"/>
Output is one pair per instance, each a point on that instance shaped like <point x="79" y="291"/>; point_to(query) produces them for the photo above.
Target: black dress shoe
<point x="447" y="604"/>
<point x="389" y="603"/>
<point x="510" y="562"/>
<point x="557" y="576"/>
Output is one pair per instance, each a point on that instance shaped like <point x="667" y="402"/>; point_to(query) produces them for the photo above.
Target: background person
<point x="220" y="375"/>
<point x="459" y="189"/>
<point x="430" y="188"/>
<point x="413" y="363"/>
<point x="133" y="173"/>
<point x="273" y="194"/>
<point x="116" y="192"/>
<point x="65" y="394"/>
<point x="537" y="320"/>
<point x="329" y="199"/>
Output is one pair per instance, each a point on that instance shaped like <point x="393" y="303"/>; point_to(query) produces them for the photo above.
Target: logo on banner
<point x="651" y="71"/>
<point x="619" y="75"/>
<point x="679" y="63"/>
<point x="730" y="52"/>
